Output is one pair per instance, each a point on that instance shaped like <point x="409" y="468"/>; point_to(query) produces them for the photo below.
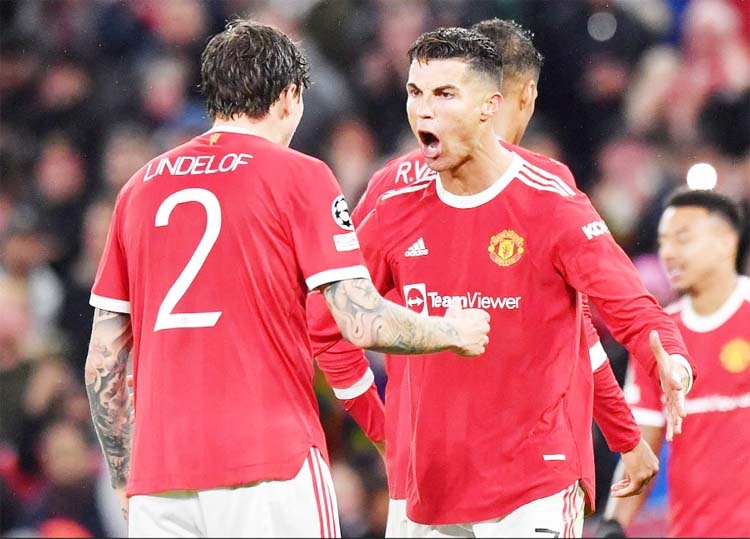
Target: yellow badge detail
<point x="214" y="138"/>
<point x="735" y="355"/>
<point x="506" y="248"/>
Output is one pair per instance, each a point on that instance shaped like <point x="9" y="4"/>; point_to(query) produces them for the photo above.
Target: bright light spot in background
<point x="701" y="176"/>
<point x="602" y="25"/>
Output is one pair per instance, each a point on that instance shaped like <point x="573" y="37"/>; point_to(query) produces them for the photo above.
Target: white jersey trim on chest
<point x="703" y="324"/>
<point x="472" y="201"/>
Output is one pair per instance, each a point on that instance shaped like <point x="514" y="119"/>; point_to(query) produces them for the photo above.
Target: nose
<point x="424" y="107"/>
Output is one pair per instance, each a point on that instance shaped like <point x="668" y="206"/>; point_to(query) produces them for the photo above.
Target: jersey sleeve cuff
<point x="597" y="355"/>
<point x="648" y="418"/>
<point x="685" y="363"/>
<point x="338" y="274"/>
<point x="357" y="389"/>
<point x="109" y="304"/>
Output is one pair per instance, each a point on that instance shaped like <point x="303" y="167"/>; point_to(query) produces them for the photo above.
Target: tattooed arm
<point x="110" y="351"/>
<point x="369" y="321"/>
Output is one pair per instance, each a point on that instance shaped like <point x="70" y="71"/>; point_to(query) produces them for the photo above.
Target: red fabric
<point x="369" y="413"/>
<point x="471" y="415"/>
<point x="707" y="476"/>
<point x="612" y="412"/>
<point x="230" y="401"/>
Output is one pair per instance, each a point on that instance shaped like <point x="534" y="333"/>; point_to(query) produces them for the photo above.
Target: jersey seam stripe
<point x="357" y="388"/>
<point x="545" y="174"/>
<point x="412" y="188"/>
<point x="537" y="186"/>
<point x="557" y="182"/>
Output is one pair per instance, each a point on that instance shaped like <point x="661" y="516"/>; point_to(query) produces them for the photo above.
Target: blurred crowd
<point x="632" y="93"/>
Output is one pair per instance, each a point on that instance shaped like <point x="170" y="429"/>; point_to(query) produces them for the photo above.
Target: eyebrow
<point x="444" y="87"/>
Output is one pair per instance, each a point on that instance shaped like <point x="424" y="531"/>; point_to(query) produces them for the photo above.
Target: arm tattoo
<point x="109" y="353"/>
<point x="365" y="317"/>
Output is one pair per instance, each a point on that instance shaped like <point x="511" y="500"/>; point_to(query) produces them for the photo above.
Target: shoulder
<point x="541" y="170"/>
<point x="402" y="171"/>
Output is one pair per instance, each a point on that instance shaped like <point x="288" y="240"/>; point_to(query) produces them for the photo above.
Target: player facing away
<point x="493" y="449"/>
<point x="708" y="479"/>
<point x="521" y="68"/>
<point x="212" y="249"/>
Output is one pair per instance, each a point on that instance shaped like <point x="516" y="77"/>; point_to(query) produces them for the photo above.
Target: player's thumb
<point x="656" y="348"/>
<point x="455" y="309"/>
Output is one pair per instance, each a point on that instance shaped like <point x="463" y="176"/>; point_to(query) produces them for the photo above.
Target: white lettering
<point x="594" y="229"/>
<point x="186" y="165"/>
<point x="402" y="173"/>
<point x="473" y="300"/>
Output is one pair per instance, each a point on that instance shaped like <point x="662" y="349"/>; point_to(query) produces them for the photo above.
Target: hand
<point x="122" y="498"/>
<point x="641" y="466"/>
<point x="674" y="380"/>
<point x="472" y="326"/>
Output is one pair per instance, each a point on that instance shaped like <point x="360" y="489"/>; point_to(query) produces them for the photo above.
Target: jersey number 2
<point x="166" y="318"/>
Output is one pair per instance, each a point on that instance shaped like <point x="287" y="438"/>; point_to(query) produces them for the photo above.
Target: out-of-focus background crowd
<point x="632" y="93"/>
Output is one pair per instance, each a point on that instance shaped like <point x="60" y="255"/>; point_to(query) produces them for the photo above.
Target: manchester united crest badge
<point x="506" y="248"/>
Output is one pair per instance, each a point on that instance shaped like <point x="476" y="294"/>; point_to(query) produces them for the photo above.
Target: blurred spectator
<point x="632" y="94"/>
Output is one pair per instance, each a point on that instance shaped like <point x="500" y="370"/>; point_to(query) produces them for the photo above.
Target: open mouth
<point x="430" y="144"/>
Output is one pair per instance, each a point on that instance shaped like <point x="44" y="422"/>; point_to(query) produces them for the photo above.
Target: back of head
<point x="245" y="68"/>
<point x="514" y="45"/>
<point x="455" y="43"/>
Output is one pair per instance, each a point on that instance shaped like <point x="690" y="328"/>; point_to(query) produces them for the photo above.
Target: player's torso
<point x="710" y="459"/>
<point x="494" y="256"/>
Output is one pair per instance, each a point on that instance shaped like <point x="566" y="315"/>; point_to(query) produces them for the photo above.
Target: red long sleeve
<point x="612" y="413"/>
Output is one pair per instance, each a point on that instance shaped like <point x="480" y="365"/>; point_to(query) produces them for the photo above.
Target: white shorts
<point x="559" y="515"/>
<point x="397" y="521"/>
<point x="304" y="506"/>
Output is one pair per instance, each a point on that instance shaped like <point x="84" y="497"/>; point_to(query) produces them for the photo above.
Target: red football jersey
<point x="708" y="475"/>
<point x="493" y="433"/>
<point x="620" y="429"/>
<point x="212" y="249"/>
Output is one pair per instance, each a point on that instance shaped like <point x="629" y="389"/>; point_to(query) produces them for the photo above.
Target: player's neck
<point x="266" y="127"/>
<point x="487" y="163"/>
<point x="715" y="292"/>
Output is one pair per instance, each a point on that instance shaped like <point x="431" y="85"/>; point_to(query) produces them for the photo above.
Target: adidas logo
<point x="417" y="249"/>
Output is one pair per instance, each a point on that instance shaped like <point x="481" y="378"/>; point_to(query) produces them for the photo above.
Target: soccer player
<point x="211" y="251"/>
<point x="494" y="450"/>
<point x="521" y="68"/>
<point x="707" y="476"/>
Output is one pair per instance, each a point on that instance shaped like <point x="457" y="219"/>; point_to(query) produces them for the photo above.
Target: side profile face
<point x="449" y="105"/>
<point x="694" y="245"/>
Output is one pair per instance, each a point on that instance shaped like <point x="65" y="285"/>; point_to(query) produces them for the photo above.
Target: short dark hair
<point x="514" y="45"/>
<point x="245" y="68"/>
<point x="449" y="43"/>
<point x="715" y="203"/>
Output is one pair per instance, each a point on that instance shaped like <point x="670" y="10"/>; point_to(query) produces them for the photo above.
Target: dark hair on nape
<point x="715" y="203"/>
<point x="459" y="43"/>
<point x="245" y="68"/>
<point x="514" y="45"/>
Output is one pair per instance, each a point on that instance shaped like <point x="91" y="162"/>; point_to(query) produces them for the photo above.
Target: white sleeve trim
<point x="597" y="355"/>
<point x="648" y="418"/>
<point x="338" y="274"/>
<point x="684" y="362"/>
<point x="110" y="304"/>
<point x="359" y="387"/>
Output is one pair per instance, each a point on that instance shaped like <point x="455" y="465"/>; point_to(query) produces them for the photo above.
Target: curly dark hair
<point x="459" y="43"/>
<point x="515" y="46"/>
<point x="245" y="68"/>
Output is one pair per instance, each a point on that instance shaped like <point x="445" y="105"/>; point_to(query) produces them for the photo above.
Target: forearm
<point x="369" y="321"/>
<point x="612" y="413"/>
<point x="105" y="375"/>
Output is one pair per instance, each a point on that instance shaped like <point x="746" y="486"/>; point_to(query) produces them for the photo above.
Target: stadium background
<point x="633" y="92"/>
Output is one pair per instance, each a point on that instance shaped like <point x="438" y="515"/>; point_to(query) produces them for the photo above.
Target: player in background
<point x="493" y="447"/>
<point x="521" y="68"/>
<point x="708" y="479"/>
<point x="212" y="249"/>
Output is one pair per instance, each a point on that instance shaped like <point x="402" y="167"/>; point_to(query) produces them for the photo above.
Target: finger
<point x="655" y="342"/>
<point x="625" y="488"/>
<point x="670" y="427"/>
